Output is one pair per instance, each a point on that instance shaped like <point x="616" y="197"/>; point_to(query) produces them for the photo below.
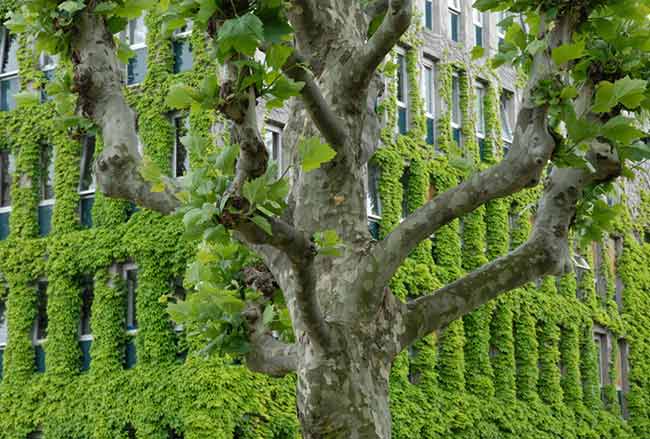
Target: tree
<point x="323" y="58"/>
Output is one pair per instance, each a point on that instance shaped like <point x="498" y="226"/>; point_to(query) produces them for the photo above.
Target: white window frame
<point x="424" y="14"/>
<point x="456" y="104"/>
<point x="189" y="27"/>
<point x="454" y="8"/>
<point x="501" y="32"/>
<point x="478" y="18"/>
<point x="405" y="87"/>
<point x="125" y="36"/>
<point x="506" y="108"/>
<point x="480" y="110"/>
<point x="371" y="215"/>
<point x="4" y="325"/>
<point x="275" y="128"/>
<point x="84" y="159"/>
<point x="4" y="34"/>
<point x="12" y="171"/>
<point x="54" y="61"/>
<point x="49" y="201"/>
<point x="39" y="341"/>
<point x="186" y="121"/>
<point x="126" y="267"/>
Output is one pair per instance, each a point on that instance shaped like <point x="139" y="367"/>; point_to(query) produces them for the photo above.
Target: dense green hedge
<point x="493" y="374"/>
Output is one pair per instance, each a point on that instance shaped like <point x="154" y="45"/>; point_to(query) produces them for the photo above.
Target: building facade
<point x="88" y="351"/>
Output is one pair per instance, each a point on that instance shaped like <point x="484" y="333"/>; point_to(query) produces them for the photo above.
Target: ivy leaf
<point x="263" y="223"/>
<point x="26" y="98"/>
<point x="242" y="35"/>
<point x="568" y="52"/>
<point x="314" y="153"/>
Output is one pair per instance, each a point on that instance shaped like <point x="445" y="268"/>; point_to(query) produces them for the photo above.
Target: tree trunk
<point x="344" y="395"/>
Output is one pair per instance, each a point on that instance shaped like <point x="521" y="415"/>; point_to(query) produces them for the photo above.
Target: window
<point x="7" y="170"/>
<point x="477" y="18"/>
<point x="48" y="65"/>
<point x="131" y="279"/>
<point x="46" y="189"/>
<point x="428" y="14"/>
<point x="622" y="367"/>
<point x="85" y="314"/>
<point x="136" y="37"/>
<point x="507" y="116"/>
<point x="373" y="201"/>
<point x="404" y="181"/>
<point x="428" y="91"/>
<point x="480" y="120"/>
<point x="600" y="339"/>
<point x="40" y="325"/>
<point x="179" y="294"/>
<point x="87" y="180"/>
<point x="182" y="48"/>
<point x="180" y="156"/>
<point x="3" y="334"/>
<point x="402" y="93"/>
<point x="9" y="84"/>
<point x="454" y="20"/>
<point x="502" y="26"/>
<point x="273" y="142"/>
<point x="455" y="110"/>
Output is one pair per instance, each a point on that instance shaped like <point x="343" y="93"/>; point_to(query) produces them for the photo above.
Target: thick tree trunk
<point x="344" y="395"/>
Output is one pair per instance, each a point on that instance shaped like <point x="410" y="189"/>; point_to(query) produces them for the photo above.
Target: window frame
<point x="601" y="339"/>
<point x="425" y="4"/>
<point x="86" y="336"/>
<point x="125" y="36"/>
<point x="456" y="108"/>
<point x="10" y="74"/>
<point x="429" y="95"/>
<point x="131" y="311"/>
<point x="174" y="162"/>
<point x="454" y="8"/>
<point x="404" y="89"/>
<point x="479" y="109"/>
<point x="276" y="133"/>
<point x="184" y="36"/>
<point x="4" y="324"/>
<point x="47" y="201"/>
<point x="11" y="166"/>
<point x="84" y="193"/>
<point x="507" y="114"/>
<point x="36" y="341"/>
<point x="478" y="20"/>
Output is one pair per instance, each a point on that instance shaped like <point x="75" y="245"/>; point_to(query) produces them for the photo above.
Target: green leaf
<point x="263" y="223"/>
<point x="569" y="92"/>
<point x="124" y="52"/>
<point x="284" y="88"/>
<point x="206" y="9"/>
<point x="277" y="55"/>
<point x="72" y="6"/>
<point x="180" y="97"/>
<point x="630" y="92"/>
<point x="226" y="159"/>
<point x="535" y="46"/>
<point x="636" y="152"/>
<point x="256" y="191"/>
<point x="242" y="35"/>
<point x="622" y="130"/>
<point x="568" y="52"/>
<point x="150" y="171"/>
<point x="313" y="153"/>
<point x="605" y="97"/>
<point x="26" y="98"/>
<point x="477" y="52"/>
<point x="268" y="315"/>
<point x="329" y="243"/>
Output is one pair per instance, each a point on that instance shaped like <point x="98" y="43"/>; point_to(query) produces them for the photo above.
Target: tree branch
<point x="98" y="79"/>
<point x="532" y="148"/>
<point x="362" y="65"/>
<point x="545" y="253"/>
<point x="330" y="126"/>
<point x="267" y="354"/>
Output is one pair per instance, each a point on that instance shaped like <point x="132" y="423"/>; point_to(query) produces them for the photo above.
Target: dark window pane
<point x="481" y="149"/>
<point x="10" y="51"/>
<point x="430" y="131"/>
<point x="181" y="159"/>
<point x="131" y="288"/>
<point x="428" y="14"/>
<point x="401" y="78"/>
<point x="455" y="25"/>
<point x="131" y="354"/>
<point x="137" y="68"/>
<point x="47" y="172"/>
<point x="4" y="225"/>
<point x="2" y="353"/>
<point x="457" y="136"/>
<point x="6" y="171"/>
<point x="41" y="311"/>
<point x="479" y="35"/>
<point x="87" y="174"/>
<point x="406" y="176"/>
<point x="87" y="211"/>
<point x="3" y="325"/>
<point x="182" y="55"/>
<point x="8" y="89"/>
<point x="373" y="200"/>
<point x="39" y="358"/>
<point x="373" y="227"/>
<point x="87" y="296"/>
<point x="401" y="120"/>
<point x="49" y="75"/>
<point x="84" y="346"/>
<point x="44" y="220"/>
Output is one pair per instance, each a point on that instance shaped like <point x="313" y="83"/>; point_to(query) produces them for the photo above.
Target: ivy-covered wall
<point x="524" y="366"/>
